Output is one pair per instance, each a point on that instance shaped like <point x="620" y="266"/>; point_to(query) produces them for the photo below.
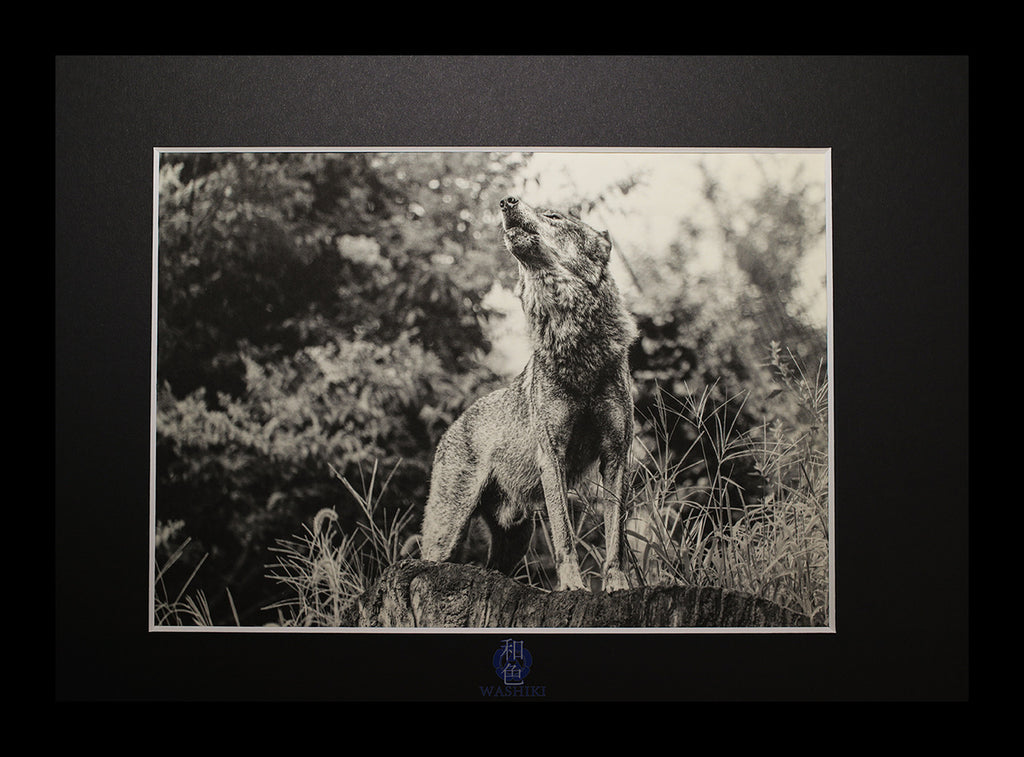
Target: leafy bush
<point x="314" y="310"/>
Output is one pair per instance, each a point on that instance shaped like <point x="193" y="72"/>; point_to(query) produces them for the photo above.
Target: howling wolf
<point x="524" y="446"/>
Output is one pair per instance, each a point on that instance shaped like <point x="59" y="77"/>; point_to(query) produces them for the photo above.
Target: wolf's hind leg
<point x="454" y="495"/>
<point x="618" y="424"/>
<point x="614" y="530"/>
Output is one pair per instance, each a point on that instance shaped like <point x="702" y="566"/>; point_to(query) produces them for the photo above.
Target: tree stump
<point x="420" y="594"/>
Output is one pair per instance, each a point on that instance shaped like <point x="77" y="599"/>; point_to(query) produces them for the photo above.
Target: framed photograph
<point x="372" y="382"/>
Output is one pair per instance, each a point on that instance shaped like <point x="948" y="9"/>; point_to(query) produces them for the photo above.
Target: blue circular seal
<point x="512" y="661"/>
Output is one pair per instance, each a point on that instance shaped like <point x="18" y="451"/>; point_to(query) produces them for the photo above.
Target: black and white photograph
<point x="503" y="388"/>
<point x="506" y="377"/>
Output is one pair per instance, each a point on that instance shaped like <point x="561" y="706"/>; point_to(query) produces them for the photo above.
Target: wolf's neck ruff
<point x="578" y="331"/>
<point x="578" y="325"/>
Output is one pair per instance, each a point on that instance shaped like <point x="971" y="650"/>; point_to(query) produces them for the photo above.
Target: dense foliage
<point x="710" y="334"/>
<point x="315" y="310"/>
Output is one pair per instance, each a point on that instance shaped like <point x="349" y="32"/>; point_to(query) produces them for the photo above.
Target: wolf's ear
<point x="605" y="245"/>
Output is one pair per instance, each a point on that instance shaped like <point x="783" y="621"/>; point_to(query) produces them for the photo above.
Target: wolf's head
<point x="542" y="239"/>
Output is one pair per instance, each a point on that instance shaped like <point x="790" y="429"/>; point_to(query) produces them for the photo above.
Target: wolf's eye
<point x="556" y="216"/>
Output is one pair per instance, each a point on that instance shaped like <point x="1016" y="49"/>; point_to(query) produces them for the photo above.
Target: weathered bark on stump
<point x="419" y="594"/>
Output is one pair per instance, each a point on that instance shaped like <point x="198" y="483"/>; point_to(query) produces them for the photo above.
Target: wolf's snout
<point x="513" y="214"/>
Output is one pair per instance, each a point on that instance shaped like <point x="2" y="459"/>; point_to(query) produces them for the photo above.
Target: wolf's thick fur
<point x="571" y="406"/>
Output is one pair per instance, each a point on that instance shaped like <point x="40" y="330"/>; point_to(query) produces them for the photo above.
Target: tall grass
<point x="774" y="543"/>
<point x="325" y="569"/>
<point x="183" y="609"/>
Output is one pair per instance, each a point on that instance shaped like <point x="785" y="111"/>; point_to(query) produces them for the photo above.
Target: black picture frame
<point x="898" y="130"/>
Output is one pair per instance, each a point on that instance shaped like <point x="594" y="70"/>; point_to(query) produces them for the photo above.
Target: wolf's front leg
<point x="556" y="501"/>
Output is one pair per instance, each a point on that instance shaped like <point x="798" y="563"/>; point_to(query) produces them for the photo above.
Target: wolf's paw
<point x="615" y="580"/>
<point x="569" y="578"/>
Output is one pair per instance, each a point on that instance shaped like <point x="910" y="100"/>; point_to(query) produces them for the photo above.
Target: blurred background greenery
<point x="322" y="312"/>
